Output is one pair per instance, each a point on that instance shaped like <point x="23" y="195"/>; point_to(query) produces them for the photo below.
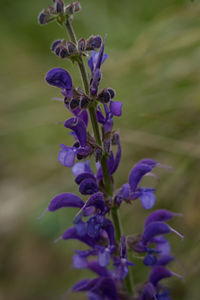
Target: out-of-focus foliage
<point x="154" y="65"/>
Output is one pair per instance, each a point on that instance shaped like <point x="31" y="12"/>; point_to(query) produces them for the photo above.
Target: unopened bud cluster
<point x="58" y="11"/>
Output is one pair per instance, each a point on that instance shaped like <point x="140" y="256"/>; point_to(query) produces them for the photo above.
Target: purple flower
<point x="60" y="78"/>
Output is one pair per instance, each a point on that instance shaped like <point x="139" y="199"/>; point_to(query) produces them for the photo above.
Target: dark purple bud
<point x="57" y="50"/>
<point x="104" y="96"/>
<point x="60" y="78"/>
<point x="150" y="260"/>
<point x="43" y="17"/>
<point x="74" y="103"/>
<point x="65" y="200"/>
<point x="83" y="176"/>
<point x="88" y="187"/>
<point x="69" y="9"/>
<point x="96" y="200"/>
<point x="79" y="127"/>
<point x="81" y="45"/>
<point x="158" y="273"/>
<point x="95" y="82"/>
<point x="77" y="6"/>
<point x="160" y="215"/>
<point x="59" y="6"/>
<point x="94" y="42"/>
<point x="112" y="93"/>
<point x="71" y="48"/>
<point x="116" y="108"/>
<point x="55" y="44"/>
<point x="63" y="52"/>
<point x="84" y="101"/>
<point x="100" y="56"/>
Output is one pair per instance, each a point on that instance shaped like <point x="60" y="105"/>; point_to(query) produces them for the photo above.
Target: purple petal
<point x="71" y="233"/>
<point x="84" y="175"/>
<point x="154" y="229"/>
<point x="158" y="273"/>
<point x="100" y="116"/>
<point x="96" y="200"/>
<point x="162" y="245"/>
<point x="164" y="260"/>
<point x="79" y="127"/>
<point x="95" y="267"/>
<point x="104" y="257"/>
<point x="150" y="260"/>
<point x="136" y="174"/>
<point x="94" y="226"/>
<point x="88" y="186"/>
<point x="147" y="199"/>
<point x="65" y="200"/>
<point x="67" y="156"/>
<point x="116" y="108"/>
<point x="123" y="194"/>
<point x="160" y="215"/>
<point x="60" y="78"/>
<point x="79" y="262"/>
<point x="81" y="167"/>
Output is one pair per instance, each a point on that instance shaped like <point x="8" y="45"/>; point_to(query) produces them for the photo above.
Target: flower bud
<point x="71" y="48"/>
<point x="44" y="17"/>
<point x="94" y="42"/>
<point x="84" y="101"/>
<point x="74" y="103"/>
<point x="77" y="6"/>
<point x="69" y="9"/>
<point x="54" y="45"/>
<point x="112" y="93"/>
<point x="59" y="6"/>
<point x="81" y="45"/>
<point x="104" y="96"/>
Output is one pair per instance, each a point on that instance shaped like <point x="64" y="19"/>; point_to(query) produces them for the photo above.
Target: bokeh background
<point x="154" y="65"/>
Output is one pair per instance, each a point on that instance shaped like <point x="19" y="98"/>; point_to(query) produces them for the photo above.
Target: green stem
<point x="95" y="126"/>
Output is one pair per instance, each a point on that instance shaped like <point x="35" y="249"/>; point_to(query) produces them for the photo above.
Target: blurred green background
<point x="154" y="66"/>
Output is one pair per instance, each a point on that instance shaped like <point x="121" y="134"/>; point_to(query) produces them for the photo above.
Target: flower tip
<point x="177" y="275"/>
<point x="42" y="215"/>
<point x="58" y="239"/>
<point x="177" y="233"/>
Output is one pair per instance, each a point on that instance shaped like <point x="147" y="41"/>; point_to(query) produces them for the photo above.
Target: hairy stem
<point x="106" y="176"/>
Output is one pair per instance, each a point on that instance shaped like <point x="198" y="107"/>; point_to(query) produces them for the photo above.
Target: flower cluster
<point x="107" y="248"/>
